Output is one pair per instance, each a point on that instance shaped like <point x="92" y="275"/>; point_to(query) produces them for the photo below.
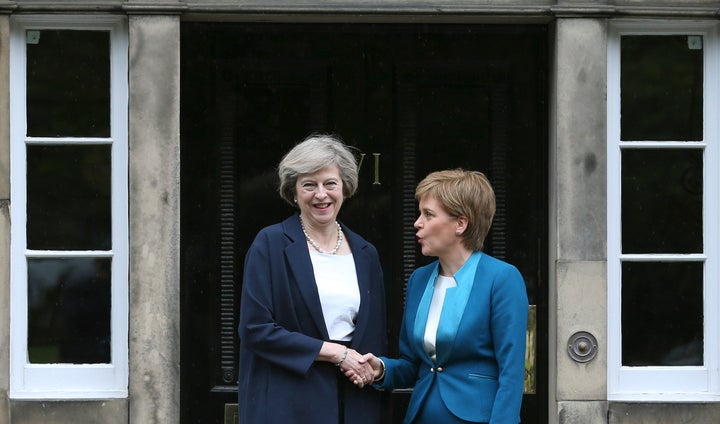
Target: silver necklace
<point x="317" y="247"/>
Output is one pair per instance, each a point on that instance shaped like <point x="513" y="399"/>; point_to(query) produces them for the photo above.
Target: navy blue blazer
<point x="282" y="330"/>
<point x="480" y="364"/>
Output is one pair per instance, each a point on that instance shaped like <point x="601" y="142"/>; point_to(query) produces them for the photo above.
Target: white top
<point x="339" y="293"/>
<point x="441" y="284"/>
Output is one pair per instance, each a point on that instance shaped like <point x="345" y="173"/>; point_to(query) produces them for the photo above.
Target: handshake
<point x="361" y="369"/>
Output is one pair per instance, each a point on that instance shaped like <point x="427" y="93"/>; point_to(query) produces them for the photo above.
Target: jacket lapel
<point x="423" y="310"/>
<point x="298" y="257"/>
<point x="362" y="269"/>
<point x="456" y="299"/>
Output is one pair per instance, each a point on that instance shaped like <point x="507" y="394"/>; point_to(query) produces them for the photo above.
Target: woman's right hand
<point x="376" y="364"/>
<point x="349" y="362"/>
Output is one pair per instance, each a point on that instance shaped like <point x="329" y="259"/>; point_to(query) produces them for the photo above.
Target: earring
<point x="457" y="233"/>
<point x="295" y="200"/>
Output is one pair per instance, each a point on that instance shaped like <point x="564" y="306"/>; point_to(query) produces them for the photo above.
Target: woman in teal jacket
<point x="462" y="340"/>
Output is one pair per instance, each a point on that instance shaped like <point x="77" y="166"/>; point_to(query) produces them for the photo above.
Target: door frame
<point x="542" y="309"/>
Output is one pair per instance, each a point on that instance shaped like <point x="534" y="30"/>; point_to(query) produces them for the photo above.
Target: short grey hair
<point x="312" y="154"/>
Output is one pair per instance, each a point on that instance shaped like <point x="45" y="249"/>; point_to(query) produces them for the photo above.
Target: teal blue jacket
<point x="480" y="345"/>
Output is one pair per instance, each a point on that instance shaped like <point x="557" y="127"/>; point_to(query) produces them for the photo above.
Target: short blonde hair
<point x="312" y="154"/>
<point x="463" y="193"/>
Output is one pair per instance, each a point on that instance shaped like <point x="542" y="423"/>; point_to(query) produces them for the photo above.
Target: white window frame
<point x="666" y="383"/>
<point x="69" y="381"/>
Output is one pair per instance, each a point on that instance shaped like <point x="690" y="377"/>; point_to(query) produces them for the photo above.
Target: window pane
<point x="69" y="310"/>
<point x="661" y="82"/>
<point x="662" y="314"/>
<point x="662" y="201"/>
<point x="68" y="197"/>
<point x="68" y="83"/>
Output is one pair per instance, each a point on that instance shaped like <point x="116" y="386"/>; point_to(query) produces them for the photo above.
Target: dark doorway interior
<point x="412" y="99"/>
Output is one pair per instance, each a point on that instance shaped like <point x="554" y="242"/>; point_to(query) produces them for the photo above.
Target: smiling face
<point x="437" y="231"/>
<point x="319" y="196"/>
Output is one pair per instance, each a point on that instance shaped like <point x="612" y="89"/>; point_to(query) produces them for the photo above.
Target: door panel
<point x="411" y="99"/>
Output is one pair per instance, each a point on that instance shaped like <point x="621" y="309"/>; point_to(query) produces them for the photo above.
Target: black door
<point x="412" y="99"/>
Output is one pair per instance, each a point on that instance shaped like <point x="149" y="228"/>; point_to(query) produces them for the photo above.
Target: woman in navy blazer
<point x="312" y="298"/>
<point x="462" y="340"/>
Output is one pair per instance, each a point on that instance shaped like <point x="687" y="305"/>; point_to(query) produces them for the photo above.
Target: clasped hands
<point x="362" y="370"/>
